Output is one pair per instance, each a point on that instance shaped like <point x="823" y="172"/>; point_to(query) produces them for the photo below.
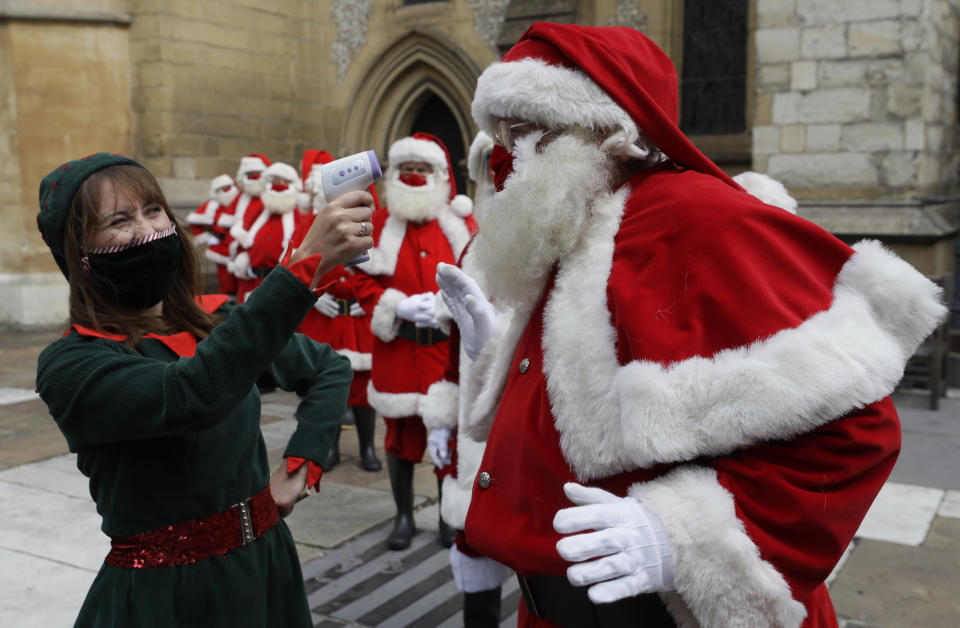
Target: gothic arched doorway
<point x="423" y="82"/>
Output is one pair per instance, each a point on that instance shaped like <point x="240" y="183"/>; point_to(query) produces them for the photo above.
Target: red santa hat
<point x="284" y="171"/>
<point x="219" y="181"/>
<point x="311" y="157"/>
<point x="610" y="78"/>
<point x="430" y="149"/>
<point x="253" y="161"/>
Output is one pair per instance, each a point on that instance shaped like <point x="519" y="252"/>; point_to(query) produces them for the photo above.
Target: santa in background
<point x="202" y="220"/>
<point x="425" y="223"/>
<point x="263" y="239"/>
<point x="338" y="320"/>
<point x="222" y="253"/>
<point x="445" y="410"/>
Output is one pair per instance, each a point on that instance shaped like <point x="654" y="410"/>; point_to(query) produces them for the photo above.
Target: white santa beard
<point x="539" y="215"/>
<point x="279" y="202"/>
<point x="253" y="187"/>
<point x="415" y="204"/>
<point x="225" y="198"/>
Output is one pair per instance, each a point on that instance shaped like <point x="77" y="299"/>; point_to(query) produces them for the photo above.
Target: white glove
<point x="473" y="313"/>
<point x="630" y="537"/>
<point x="438" y="443"/>
<point x="240" y="266"/>
<point x="327" y="305"/>
<point x="475" y="574"/>
<point x="356" y="310"/>
<point x="419" y="309"/>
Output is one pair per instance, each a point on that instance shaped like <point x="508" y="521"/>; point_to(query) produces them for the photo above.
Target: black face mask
<point x="141" y="273"/>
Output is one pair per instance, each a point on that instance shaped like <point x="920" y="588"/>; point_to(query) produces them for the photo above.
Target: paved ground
<point x="902" y="569"/>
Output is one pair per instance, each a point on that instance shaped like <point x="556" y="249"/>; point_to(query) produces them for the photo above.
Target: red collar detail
<point x="184" y="344"/>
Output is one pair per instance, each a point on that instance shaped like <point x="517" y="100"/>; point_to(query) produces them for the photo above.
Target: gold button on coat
<point x="483" y="479"/>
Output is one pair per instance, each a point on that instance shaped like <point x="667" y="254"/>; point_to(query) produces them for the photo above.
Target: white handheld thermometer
<point x="355" y="172"/>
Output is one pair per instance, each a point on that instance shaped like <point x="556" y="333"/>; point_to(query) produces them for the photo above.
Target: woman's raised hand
<point x="340" y="232"/>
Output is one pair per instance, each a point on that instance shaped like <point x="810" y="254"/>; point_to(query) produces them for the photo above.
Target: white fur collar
<point x="614" y="418"/>
<point x="383" y="258"/>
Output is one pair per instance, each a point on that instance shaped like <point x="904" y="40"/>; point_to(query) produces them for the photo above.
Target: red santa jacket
<point x="725" y="362"/>
<point x="348" y="335"/>
<point x="403" y="263"/>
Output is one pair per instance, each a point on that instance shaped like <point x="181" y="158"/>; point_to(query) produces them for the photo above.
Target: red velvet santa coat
<point x="203" y="219"/>
<point x="725" y="362"/>
<point x="249" y="228"/>
<point x="403" y="263"/>
<point x="349" y="336"/>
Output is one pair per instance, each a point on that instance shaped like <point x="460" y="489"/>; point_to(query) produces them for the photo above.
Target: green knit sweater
<point x="166" y="439"/>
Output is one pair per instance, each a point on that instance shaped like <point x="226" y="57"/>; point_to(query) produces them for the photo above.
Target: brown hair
<point x="90" y="301"/>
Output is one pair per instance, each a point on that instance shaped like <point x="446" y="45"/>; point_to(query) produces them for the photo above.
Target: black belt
<point x="553" y="598"/>
<point x="261" y="271"/>
<point x="344" y="305"/>
<point x="424" y="336"/>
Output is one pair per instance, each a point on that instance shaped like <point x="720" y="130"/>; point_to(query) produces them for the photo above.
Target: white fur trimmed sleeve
<point x="384" y="322"/>
<point x="720" y="577"/>
<point x="438" y="408"/>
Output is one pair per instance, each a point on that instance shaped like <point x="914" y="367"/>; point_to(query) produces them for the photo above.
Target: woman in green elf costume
<point x="156" y="391"/>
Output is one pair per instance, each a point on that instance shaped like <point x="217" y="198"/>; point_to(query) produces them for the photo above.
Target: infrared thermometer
<point x="355" y="172"/>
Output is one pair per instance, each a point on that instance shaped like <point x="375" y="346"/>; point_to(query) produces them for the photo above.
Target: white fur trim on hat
<point x="220" y="181"/>
<point x="461" y="205"/>
<point x="720" y="577"/>
<point x="248" y="164"/>
<point x="553" y="96"/>
<point x="413" y="149"/>
<point x="284" y="171"/>
<point x="767" y="189"/>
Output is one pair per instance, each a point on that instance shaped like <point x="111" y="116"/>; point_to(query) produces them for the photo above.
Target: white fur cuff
<point x="719" y="575"/>
<point x="439" y="406"/>
<point x="384" y="322"/>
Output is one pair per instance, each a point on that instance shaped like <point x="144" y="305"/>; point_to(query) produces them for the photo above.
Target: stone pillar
<point x="64" y="93"/>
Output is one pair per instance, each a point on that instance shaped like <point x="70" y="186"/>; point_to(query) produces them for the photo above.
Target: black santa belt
<point x="423" y="336"/>
<point x="553" y="598"/>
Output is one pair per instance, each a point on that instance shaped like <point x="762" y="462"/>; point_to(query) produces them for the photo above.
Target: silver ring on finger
<point x="363" y="230"/>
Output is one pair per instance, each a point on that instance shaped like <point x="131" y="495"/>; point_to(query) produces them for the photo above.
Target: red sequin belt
<point x="191" y="541"/>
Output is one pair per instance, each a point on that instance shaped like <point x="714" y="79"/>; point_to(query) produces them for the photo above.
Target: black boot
<point x="482" y="609"/>
<point x="365" y="419"/>
<point x="447" y="533"/>
<point x="333" y="456"/>
<point x="401" y="481"/>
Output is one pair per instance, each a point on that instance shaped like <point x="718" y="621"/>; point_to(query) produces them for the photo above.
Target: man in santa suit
<point x="260" y="245"/>
<point x="445" y="408"/>
<point x="202" y="220"/>
<point x="338" y="320"/>
<point x="233" y="216"/>
<point x="687" y="416"/>
<point x="425" y="223"/>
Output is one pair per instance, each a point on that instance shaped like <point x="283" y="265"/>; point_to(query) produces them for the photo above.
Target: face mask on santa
<point x="252" y="183"/>
<point x="279" y="197"/>
<point x="415" y="180"/>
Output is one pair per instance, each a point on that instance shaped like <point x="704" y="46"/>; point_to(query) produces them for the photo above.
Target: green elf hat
<point x="56" y="195"/>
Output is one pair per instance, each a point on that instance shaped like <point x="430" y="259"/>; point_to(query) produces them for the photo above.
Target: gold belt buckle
<point x="344" y="306"/>
<point x="246" y="522"/>
<point x="424" y="335"/>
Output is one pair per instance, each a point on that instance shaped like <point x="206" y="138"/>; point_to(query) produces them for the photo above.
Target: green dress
<point x="166" y="439"/>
